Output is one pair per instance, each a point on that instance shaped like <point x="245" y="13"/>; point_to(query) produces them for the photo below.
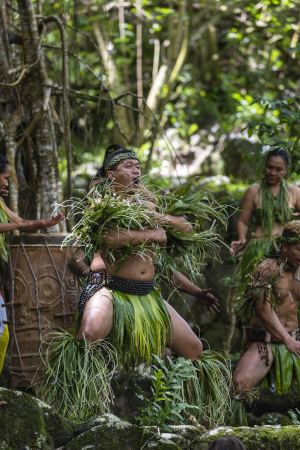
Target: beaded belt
<point x="262" y="337"/>
<point x="95" y="282"/>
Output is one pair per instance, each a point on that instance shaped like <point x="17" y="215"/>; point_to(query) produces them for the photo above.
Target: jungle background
<point x="196" y="88"/>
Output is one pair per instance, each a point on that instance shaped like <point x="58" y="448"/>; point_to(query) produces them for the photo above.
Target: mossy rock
<point x="185" y="436"/>
<point x="120" y="436"/>
<point x="22" y="424"/>
<point x="267" y="437"/>
<point x="56" y="426"/>
<point x="101" y="419"/>
<point x="269" y="419"/>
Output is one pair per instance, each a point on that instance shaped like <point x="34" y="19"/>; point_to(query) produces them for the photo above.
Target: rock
<point x="56" y="426"/>
<point x="22" y="424"/>
<point x="266" y="437"/>
<point x="126" y="403"/>
<point x="103" y="419"/>
<point x="185" y="436"/>
<point x="120" y="435"/>
<point x="269" y="419"/>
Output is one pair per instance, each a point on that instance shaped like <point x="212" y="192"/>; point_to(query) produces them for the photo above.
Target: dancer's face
<point x="275" y="170"/>
<point x="4" y="177"/>
<point x="291" y="254"/>
<point x="127" y="174"/>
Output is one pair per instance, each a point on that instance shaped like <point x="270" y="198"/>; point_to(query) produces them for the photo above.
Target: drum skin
<point x="43" y="294"/>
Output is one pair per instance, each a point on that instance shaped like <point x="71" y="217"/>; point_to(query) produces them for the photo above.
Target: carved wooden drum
<point x="43" y="292"/>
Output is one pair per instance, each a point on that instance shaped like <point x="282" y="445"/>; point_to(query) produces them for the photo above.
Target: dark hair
<point x="278" y="151"/>
<point x="227" y="443"/>
<point x="3" y="163"/>
<point x="110" y="152"/>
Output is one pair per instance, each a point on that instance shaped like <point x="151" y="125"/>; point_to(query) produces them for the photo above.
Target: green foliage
<point x="167" y="404"/>
<point x="294" y="416"/>
<point x="3" y="245"/>
<point x="103" y="210"/>
<point x="76" y="378"/>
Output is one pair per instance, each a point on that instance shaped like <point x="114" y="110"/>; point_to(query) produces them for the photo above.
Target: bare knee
<point x="89" y="333"/>
<point x="240" y="384"/>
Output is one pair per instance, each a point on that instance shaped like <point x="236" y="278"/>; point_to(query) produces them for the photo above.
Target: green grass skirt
<point x="141" y="327"/>
<point x="285" y="367"/>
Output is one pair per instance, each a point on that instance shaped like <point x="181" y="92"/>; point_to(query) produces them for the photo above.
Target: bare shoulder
<point x="295" y="190"/>
<point x="266" y="268"/>
<point x="252" y="190"/>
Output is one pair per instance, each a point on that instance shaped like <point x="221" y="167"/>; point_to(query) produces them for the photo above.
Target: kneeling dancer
<point x="272" y="348"/>
<point x="120" y="301"/>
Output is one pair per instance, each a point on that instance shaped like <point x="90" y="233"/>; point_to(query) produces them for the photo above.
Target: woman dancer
<point x="273" y="202"/>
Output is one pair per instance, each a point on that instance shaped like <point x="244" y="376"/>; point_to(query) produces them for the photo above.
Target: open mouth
<point x="136" y="181"/>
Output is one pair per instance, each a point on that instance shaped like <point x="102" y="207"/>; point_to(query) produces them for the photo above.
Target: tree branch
<point x="65" y="82"/>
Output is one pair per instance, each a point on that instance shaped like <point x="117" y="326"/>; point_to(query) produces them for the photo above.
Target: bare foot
<point x="97" y="264"/>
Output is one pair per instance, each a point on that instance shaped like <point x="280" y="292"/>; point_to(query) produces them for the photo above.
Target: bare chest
<point x="287" y="292"/>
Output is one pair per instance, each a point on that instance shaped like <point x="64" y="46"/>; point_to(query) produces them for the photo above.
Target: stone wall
<point x="29" y="424"/>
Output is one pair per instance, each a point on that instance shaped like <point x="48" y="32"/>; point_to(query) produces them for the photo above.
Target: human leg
<point x="251" y="370"/>
<point x="97" y="320"/>
<point x="184" y="341"/>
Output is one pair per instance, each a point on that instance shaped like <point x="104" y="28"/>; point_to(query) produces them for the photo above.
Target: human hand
<point x="34" y="225"/>
<point x="236" y="246"/>
<point x="97" y="264"/>
<point x="4" y="193"/>
<point x="208" y="300"/>
<point x="159" y="236"/>
<point x="47" y="223"/>
<point x="293" y="347"/>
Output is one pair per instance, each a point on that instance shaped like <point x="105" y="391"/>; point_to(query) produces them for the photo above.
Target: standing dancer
<point x="120" y="301"/>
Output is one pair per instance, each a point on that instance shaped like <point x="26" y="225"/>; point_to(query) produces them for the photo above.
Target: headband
<point x="290" y="240"/>
<point x="118" y="158"/>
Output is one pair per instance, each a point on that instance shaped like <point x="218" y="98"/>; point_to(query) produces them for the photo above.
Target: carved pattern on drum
<point x="42" y="291"/>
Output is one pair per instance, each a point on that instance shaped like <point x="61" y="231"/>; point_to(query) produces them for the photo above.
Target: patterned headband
<point x="290" y="240"/>
<point x="119" y="158"/>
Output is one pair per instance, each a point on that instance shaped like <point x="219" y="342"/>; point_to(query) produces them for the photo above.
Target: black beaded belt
<point x="95" y="282"/>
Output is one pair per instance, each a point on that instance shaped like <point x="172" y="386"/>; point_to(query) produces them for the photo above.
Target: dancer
<point x="120" y="301"/>
<point x="272" y="338"/>
<point x="9" y="221"/>
<point x="273" y="203"/>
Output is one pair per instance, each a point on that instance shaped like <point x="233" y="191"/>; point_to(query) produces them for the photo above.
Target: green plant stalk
<point x="76" y="375"/>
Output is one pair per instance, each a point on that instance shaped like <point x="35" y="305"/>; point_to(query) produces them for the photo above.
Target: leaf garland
<point x="102" y="210"/>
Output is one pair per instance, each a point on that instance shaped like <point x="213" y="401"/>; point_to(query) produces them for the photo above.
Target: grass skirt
<point x="77" y="373"/>
<point x="285" y="367"/>
<point x="141" y="327"/>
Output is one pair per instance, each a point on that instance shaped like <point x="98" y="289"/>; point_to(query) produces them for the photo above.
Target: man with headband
<point x="272" y="347"/>
<point x="136" y="274"/>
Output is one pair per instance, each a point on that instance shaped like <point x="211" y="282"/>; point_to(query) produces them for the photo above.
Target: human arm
<point x="247" y="209"/>
<point x="203" y="295"/>
<point x="180" y="223"/>
<point x="122" y="237"/>
<point x="296" y="194"/>
<point x="76" y="263"/>
<point x="27" y="225"/>
<point x="272" y="324"/>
